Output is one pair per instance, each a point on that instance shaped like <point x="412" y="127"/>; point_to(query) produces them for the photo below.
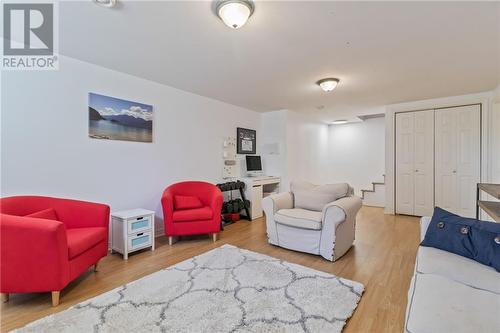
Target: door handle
<point x="454" y="171"/>
<point x="416" y="170"/>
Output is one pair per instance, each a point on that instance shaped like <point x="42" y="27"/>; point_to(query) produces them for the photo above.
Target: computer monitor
<point x="254" y="165"/>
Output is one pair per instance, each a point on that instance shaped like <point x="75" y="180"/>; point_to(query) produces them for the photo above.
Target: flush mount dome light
<point x="234" y="13"/>
<point x="105" y="3"/>
<point x="328" y="84"/>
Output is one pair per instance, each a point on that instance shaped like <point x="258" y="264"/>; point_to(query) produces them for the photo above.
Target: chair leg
<point x="55" y="298"/>
<point x="96" y="266"/>
<point x="214" y="237"/>
<point x="5" y="298"/>
<point x="170" y="240"/>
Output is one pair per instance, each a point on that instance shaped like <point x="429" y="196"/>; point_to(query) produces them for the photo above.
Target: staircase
<point x="374" y="196"/>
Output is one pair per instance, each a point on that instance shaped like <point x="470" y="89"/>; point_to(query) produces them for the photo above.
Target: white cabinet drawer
<point x="139" y="240"/>
<point x="142" y="223"/>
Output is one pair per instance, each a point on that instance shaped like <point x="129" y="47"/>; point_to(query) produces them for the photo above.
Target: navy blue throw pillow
<point x="471" y="238"/>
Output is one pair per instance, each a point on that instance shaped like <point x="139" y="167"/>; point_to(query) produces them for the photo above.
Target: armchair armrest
<point x="271" y="205"/>
<point x="82" y="214"/>
<point x="216" y="203"/>
<point x="34" y="254"/>
<point x="167" y="204"/>
<point x="339" y="224"/>
<point x="275" y="202"/>
<point x="348" y="205"/>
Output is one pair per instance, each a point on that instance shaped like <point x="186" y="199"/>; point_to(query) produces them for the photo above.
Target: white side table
<point x="132" y="230"/>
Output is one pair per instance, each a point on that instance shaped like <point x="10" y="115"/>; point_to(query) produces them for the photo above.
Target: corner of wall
<point x="496" y="94"/>
<point x="273" y="133"/>
<point x="389" y="161"/>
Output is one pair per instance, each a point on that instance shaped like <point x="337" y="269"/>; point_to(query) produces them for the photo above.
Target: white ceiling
<point x="383" y="52"/>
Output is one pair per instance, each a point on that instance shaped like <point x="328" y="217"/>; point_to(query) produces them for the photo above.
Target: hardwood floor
<point x="382" y="259"/>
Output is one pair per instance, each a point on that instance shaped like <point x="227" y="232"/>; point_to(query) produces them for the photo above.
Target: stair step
<point x="374" y="184"/>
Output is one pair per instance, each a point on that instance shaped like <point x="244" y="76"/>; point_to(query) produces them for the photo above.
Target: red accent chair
<point x="191" y="208"/>
<point x="48" y="242"/>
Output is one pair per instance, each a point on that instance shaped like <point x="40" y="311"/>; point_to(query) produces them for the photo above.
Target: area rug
<point x="227" y="289"/>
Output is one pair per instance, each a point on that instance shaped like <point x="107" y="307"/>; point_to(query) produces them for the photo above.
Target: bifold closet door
<point x="405" y="182"/>
<point x="458" y="158"/>
<point x="415" y="163"/>
<point x="424" y="163"/>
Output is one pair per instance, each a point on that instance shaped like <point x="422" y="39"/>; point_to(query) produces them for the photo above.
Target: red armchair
<point x="191" y="208"/>
<point x="48" y="242"/>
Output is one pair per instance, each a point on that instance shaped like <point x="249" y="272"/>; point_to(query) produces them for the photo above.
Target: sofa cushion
<point x="299" y="218"/>
<point x="467" y="271"/>
<point x="438" y="304"/>
<point x="47" y="214"/>
<point x="182" y="202"/>
<point x="82" y="239"/>
<point x="198" y="214"/>
<point x="315" y="197"/>
<point x="471" y="238"/>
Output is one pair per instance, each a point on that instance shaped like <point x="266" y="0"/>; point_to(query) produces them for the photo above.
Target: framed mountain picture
<point x="246" y="141"/>
<point x="118" y="119"/>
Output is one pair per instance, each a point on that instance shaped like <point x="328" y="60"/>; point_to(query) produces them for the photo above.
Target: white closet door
<point x="458" y="158"/>
<point x="468" y="158"/>
<point x="424" y="163"/>
<point x="446" y="159"/>
<point x="415" y="163"/>
<point x="405" y="137"/>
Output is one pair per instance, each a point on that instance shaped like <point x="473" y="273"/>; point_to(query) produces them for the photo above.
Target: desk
<point x="492" y="208"/>
<point x="257" y="188"/>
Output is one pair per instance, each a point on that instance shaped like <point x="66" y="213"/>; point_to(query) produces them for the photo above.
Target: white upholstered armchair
<point x="315" y="219"/>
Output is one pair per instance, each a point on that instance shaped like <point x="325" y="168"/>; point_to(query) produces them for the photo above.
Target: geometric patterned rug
<point x="227" y="289"/>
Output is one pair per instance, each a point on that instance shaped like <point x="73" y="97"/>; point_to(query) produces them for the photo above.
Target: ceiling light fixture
<point x="339" y="122"/>
<point x="106" y="3"/>
<point x="234" y="13"/>
<point x="328" y="84"/>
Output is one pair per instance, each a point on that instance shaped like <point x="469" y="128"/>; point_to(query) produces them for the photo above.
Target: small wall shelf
<point x="492" y="208"/>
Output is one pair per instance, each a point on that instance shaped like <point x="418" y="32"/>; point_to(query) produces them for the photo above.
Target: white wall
<point x="495" y="136"/>
<point x="494" y="149"/>
<point x="488" y="128"/>
<point x="303" y="147"/>
<point x="46" y="149"/>
<point x="496" y="94"/>
<point x="307" y="149"/>
<point x="495" y="143"/>
<point x="357" y="153"/>
<point x="273" y="144"/>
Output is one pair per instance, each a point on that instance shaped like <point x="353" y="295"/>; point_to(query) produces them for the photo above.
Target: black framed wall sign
<point x="246" y="142"/>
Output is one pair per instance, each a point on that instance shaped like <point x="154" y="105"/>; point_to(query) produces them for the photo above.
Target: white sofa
<point x="451" y="293"/>
<point x="327" y="230"/>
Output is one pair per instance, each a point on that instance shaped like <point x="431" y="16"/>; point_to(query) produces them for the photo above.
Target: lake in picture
<point x="112" y="118"/>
